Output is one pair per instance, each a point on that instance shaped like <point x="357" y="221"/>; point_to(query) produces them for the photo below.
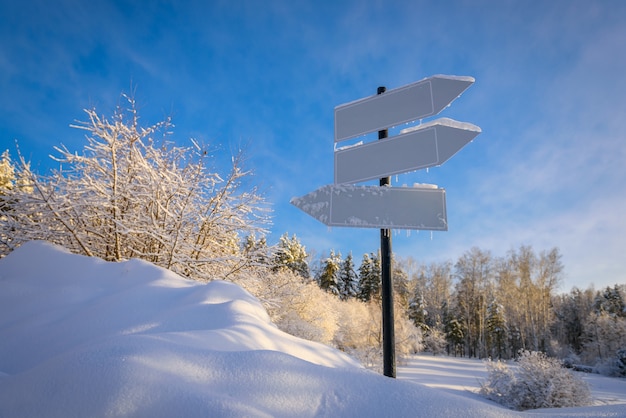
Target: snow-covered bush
<point x="130" y="193"/>
<point x="357" y="327"/>
<point x="570" y="360"/>
<point x="613" y="366"/>
<point x="296" y="305"/>
<point x="537" y="382"/>
<point x="500" y="378"/>
<point x="300" y="307"/>
<point x="435" y="341"/>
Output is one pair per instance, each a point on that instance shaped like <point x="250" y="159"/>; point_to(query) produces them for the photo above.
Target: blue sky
<point x="548" y="170"/>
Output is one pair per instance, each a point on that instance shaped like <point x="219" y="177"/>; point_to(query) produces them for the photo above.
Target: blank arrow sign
<point x="405" y="104"/>
<point x="424" y="146"/>
<point x="422" y="208"/>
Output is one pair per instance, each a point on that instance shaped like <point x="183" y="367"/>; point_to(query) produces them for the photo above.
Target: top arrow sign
<point x="405" y="104"/>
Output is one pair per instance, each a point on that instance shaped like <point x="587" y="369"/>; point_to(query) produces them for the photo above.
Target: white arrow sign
<point x="422" y="207"/>
<point x="424" y="146"/>
<point x="405" y="104"/>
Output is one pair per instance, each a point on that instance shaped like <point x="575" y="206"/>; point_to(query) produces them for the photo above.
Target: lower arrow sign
<point x="420" y="207"/>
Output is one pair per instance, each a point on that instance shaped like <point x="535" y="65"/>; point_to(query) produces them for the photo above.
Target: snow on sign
<point x="424" y="146"/>
<point x="405" y="104"/>
<point x="419" y="207"/>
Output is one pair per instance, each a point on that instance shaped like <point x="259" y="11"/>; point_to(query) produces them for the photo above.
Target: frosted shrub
<point x="131" y="194"/>
<point x="497" y="387"/>
<point x="296" y="305"/>
<point x="355" y="326"/>
<point x="435" y="342"/>
<point x="537" y="382"/>
<point x="300" y="308"/>
<point x="613" y="366"/>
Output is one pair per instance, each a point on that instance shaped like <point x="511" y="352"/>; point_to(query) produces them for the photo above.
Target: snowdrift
<point x="83" y="337"/>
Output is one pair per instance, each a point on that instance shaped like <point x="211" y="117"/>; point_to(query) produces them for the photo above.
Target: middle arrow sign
<point x="424" y="146"/>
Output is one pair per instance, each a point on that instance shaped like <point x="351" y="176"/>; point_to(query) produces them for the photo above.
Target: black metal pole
<point x="389" y="344"/>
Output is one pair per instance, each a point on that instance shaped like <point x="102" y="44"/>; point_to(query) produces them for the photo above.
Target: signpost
<point x="386" y="282"/>
<point x="419" y="207"/>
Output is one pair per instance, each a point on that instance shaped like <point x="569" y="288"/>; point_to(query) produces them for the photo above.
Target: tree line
<point x="484" y="306"/>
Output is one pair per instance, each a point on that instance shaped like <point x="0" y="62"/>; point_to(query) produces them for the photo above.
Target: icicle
<point x="427" y="168"/>
<point x="431" y="235"/>
<point x="396" y="178"/>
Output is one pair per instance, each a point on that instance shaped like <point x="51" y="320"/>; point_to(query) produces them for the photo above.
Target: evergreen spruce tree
<point x="496" y="329"/>
<point x="329" y="274"/>
<point x="454" y="332"/>
<point x="370" y="278"/>
<point x="364" y="273"/>
<point x="611" y="302"/>
<point x="348" y="279"/>
<point x="400" y="285"/>
<point x="418" y="312"/>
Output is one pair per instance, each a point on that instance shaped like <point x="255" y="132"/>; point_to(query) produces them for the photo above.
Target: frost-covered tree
<point x="364" y="271"/>
<point x="409" y="338"/>
<point x="571" y="312"/>
<point x="474" y="272"/>
<point x="604" y="335"/>
<point x="534" y="279"/>
<point x="454" y="335"/>
<point x="400" y="280"/>
<point x="348" y="279"/>
<point x="435" y="341"/>
<point x="370" y="278"/>
<point x="328" y="278"/>
<point x="131" y="194"/>
<point x="290" y="254"/>
<point x="256" y="252"/>
<point x="496" y="330"/>
<point x="7" y="180"/>
<point x="431" y="291"/>
<point x="13" y="180"/>
<point x="7" y="173"/>
<point x="611" y="302"/>
<point x="418" y="306"/>
<point x="604" y="332"/>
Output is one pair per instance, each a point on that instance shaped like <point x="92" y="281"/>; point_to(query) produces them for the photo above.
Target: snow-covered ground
<point x="462" y="376"/>
<point x="81" y="337"/>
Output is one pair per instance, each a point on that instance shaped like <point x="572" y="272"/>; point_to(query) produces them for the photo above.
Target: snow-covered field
<point x="462" y="376"/>
<point x="81" y="337"/>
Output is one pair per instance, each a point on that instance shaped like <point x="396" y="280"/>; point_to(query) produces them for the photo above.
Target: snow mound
<point x="83" y="337"/>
